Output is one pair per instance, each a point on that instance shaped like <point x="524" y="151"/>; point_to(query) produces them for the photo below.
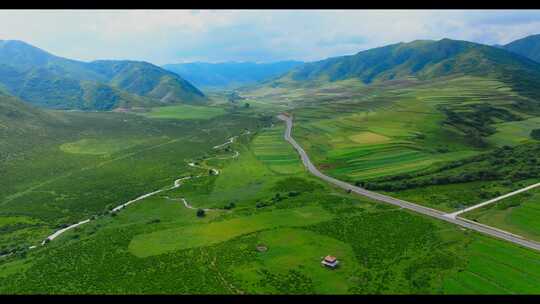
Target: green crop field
<point x="495" y="267"/>
<point x="275" y="152"/>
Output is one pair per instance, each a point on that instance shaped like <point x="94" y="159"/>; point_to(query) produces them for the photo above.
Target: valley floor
<point x="159" y="246"/>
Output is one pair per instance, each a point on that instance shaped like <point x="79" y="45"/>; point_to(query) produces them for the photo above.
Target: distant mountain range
<point x="46" y="80"/>
<point x="423" y="60"/>
<point x="230" y="74"/>
<point x="43" y="79"/>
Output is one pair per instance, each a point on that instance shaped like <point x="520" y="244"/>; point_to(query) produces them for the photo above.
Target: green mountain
<point x="43" y="79"/>
<point x="528" y="47"/>
<point x="423" y="60"/>
<point x="230" y="74"/>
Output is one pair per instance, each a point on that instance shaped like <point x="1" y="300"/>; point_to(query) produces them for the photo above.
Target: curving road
<point x="494" y="232"/>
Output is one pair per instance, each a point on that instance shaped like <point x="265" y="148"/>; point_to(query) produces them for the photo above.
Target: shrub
<point x="201" y="213"/>
<point x="535" y="134"/>
<point x="294" y="193"/>
<point x="229" y="206"/>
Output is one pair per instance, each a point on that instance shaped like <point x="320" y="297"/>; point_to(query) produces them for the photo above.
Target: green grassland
<point x="264" y="158"/>
<point x="185" y="111"/>
<point x="203" y="235"/>
<point x="515" y="132"/>
<point x="519" y="214"/>
<point x="93" y="161"/>
<point x="99" y="146"/>
<point x="158" y="246"/>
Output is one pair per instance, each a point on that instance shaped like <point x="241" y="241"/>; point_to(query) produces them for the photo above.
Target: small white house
<point x="330" y="261"/>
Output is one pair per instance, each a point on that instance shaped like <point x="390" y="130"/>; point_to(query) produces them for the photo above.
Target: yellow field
<point x="369" y="138"/>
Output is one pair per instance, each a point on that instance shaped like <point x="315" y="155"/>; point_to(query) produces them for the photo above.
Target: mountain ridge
<point x="47" y="80"/>
<point x="423" y="60"/>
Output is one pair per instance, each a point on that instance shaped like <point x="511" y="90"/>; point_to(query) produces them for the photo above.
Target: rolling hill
<point x="44" y="79"/>
<point x="230" y="74"/>
<point x="528" y="47"/>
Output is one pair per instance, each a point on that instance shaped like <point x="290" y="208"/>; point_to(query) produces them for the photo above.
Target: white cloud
<point x="165" y="36"/>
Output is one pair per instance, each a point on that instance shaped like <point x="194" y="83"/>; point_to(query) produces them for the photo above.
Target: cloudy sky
<point x="171" y="36"/>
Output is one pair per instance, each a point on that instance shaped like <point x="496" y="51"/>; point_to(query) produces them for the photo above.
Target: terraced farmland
<point x="270" y="148"/>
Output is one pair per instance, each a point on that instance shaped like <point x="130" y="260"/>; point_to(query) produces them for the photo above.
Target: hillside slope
<point x="528" y="47"/>
<point x="424" y="60"/>
<point x="43" y="79"/>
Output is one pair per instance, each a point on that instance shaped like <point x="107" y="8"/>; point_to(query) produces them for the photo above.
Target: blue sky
<point x="172" y="36"/>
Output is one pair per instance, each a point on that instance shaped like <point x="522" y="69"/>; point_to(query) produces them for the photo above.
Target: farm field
<point x="394" y="131"/>
<point x="495" y="267"/>
<point x="377" y="135"/>
<point x="519" y="214"/>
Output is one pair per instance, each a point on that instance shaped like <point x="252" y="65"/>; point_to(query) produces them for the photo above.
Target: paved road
<point x="501" y="234"/>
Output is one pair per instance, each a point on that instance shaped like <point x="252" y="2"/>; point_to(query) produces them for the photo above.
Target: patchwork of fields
<point x="296" y="218"/>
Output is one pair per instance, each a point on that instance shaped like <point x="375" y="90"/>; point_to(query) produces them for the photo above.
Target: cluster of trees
<point x="476" y="123"/>
<point x="229" y="206"/>
<point x="278" y="197"/>
<point x="535" y="134"/>
<point x="154" y="221"/>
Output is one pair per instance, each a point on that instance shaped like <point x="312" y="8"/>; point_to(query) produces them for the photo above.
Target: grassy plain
<point x="203" y="235"/>
<point x="185" y="111"/>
